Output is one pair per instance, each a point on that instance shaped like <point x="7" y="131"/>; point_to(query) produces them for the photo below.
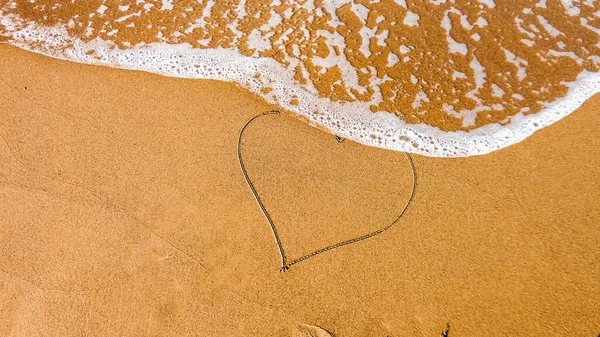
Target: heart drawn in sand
<point x="286" y="262"/>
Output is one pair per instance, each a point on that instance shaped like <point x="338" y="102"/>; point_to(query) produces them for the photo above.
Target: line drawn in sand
<point x="286" y="263"/>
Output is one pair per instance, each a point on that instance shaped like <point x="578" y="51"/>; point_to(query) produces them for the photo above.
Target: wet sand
<point x="124" y="212"/>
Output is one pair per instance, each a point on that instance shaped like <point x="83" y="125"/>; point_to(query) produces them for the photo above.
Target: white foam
<point x="528" y="42"/>
<point x="497" y="91"/>
<point x="568" y="54"/>
<point x="350" y="120"/>
<point x="520" y="63"/>
<point x="453" y="45"/>
<point x="489" y="3"/>
<point x="401" y="3"/>
<point x="166" y="5"/>
<point x="411" y="19"/>
<point x="570" y="7"/>
<point x="549" y="27"/>
<point x="584" y="22"/>
<point x="101" y="9"/>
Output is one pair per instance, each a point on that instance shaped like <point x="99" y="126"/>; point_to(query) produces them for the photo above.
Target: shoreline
<point x="357" y="121"/>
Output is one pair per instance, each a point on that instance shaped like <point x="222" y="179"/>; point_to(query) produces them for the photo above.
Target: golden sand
<point x="123" y="211"/>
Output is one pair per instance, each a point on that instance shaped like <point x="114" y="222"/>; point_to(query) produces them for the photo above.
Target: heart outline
<point x="284" y="260"/>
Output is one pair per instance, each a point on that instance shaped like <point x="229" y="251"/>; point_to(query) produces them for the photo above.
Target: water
<point x="439" y="77"/>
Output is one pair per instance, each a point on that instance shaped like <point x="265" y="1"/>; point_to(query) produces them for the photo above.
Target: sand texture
<point x="123" y="212"/>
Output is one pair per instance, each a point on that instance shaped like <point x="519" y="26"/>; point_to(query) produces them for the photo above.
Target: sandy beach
<point x="123" y="211"/>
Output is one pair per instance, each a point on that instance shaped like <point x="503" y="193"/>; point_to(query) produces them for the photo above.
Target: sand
<point x="123" y="211"/>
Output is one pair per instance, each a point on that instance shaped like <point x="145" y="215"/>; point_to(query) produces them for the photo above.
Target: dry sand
<point x="123" y="211"/>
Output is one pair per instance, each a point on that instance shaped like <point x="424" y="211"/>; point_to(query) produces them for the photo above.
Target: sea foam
<point x="353" y="117"/>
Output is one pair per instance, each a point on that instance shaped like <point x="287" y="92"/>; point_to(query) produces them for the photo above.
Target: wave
<point x="432" y="77"/>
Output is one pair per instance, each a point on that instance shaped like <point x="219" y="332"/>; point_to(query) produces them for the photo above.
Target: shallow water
<point x="438" y="77"/>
